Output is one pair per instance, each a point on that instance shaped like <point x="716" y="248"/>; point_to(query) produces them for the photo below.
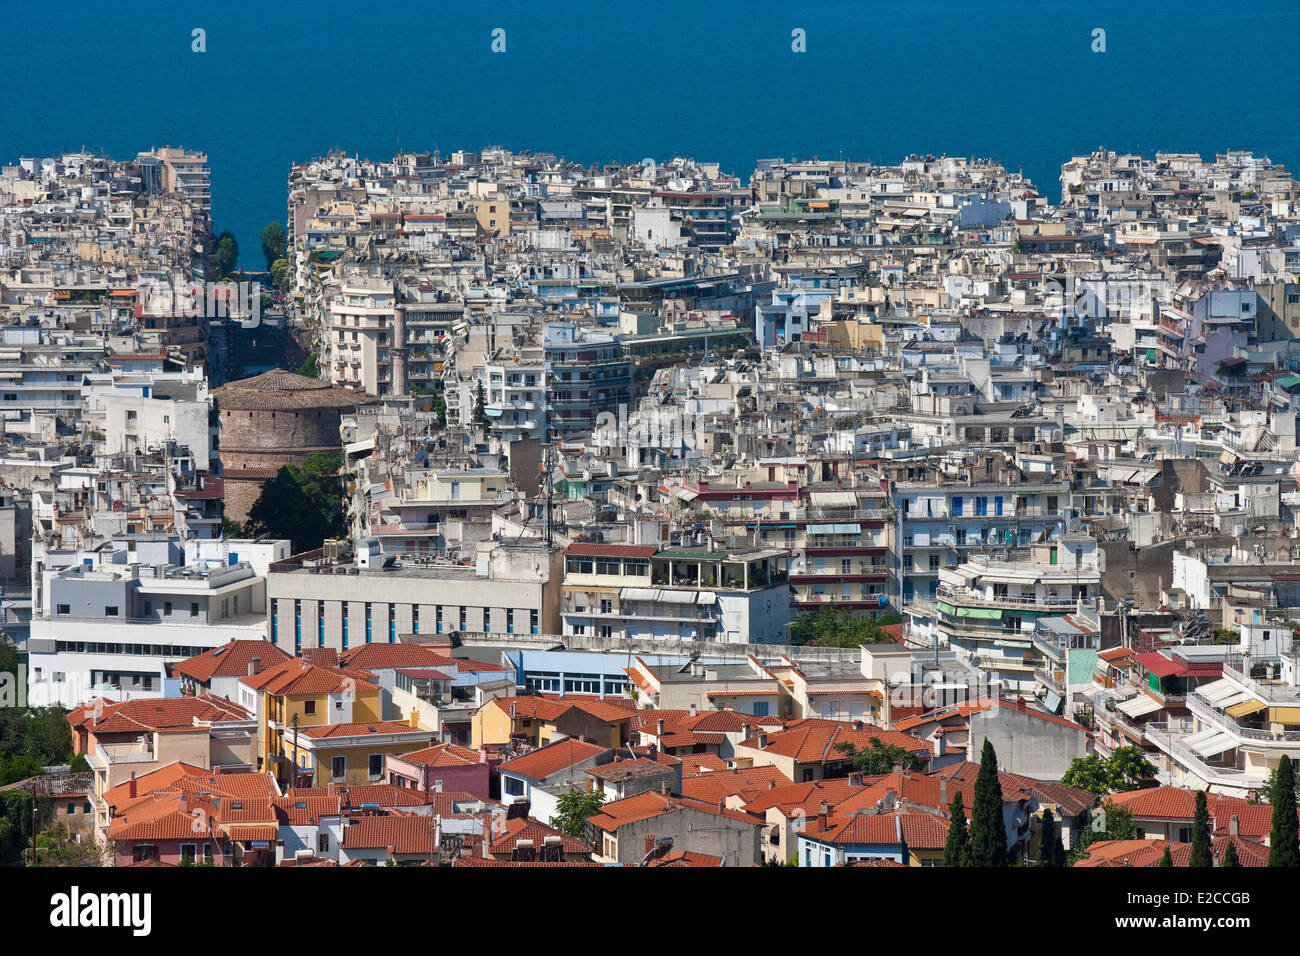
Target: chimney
<point x="131" y="788"/>
<point x="1234" y="826"/>
<point x="943" y="791"/>
<point x="762" y="741"/>
<point x="692" y="709"/>
<point x="659" y="727"/>
<point x="663" y="788"/>
<point x="771" y="784"/>
<point x="855" y="778"/>
<point x="823" y="812"/>
<point x="940" y="743"/>
<point x="254" y="666"/>
<point x="1020" y="703"/>
<point x="649" y="843"/>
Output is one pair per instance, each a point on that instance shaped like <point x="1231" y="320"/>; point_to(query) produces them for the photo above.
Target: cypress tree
<point x="1201" y="833"/>
<point x="988" y="831"/>
<point x="1284" y="840"/>
<point x="1165" y="858"/>
<point x="1051" y="851"/>
<point x="957" y="847"/>
<point x="1230" y="855"/>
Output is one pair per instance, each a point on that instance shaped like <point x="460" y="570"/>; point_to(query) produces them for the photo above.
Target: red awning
<point x="1160" y="665"/>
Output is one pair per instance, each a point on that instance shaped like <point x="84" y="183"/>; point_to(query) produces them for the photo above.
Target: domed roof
<point x="278" y="389"/>
<point x="278" y="380"/>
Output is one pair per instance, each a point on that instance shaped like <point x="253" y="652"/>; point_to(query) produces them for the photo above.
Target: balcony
<point x="1203" y="710"/>
<point x="1053" y="680"/>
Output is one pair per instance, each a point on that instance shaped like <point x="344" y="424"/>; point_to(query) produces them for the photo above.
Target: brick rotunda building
<point x="271" y="420"/>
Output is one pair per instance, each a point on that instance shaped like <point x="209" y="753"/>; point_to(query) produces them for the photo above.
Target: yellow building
<point x="351" y="754"/>
<point x="298" y="695"/>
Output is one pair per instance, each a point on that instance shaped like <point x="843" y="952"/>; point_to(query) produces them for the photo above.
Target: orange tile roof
<point x="695" y="764"/>
<point x="921" y="831"/>
<point x="442" y="755"/>
<point x="530" y="707"/>
<point x="646" y="806"/>
<point x="814" y="741"/>
<point x="297" y="677"/>
<point x="163" y="816"/>
<point x="301" y="810"/>
<point x="551" y="759"/>
<point x="718" y="785"/>
<point x="158" y="713"/>
<point x="164" y="778"/>
<point x="1120" y="853"/>
<point x="364" y="729"/>
<point x="405" y="834"/>
<point x="1162" y="803"/>
<point x="229" y="660"/>
<point x="529" y="829"/>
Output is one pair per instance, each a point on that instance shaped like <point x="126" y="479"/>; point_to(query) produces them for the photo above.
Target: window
<point x="532" y="622"/>
<point x="110" y="611"/>
<point x="338" y="768"/>
<point x="376" y="765"/>
<point x="167" y="607"/>
<point x="309" y="707"/>
<point x="514" y="786"/>
<point x="187" y="851"/>
<point x="194" y="609"/>
<point x="63" y="609"/>
<point x="72" y="809"/>
<point x="323" y="843"/>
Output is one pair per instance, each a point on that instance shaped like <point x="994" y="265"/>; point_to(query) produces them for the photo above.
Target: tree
<point x="573" y="809"/>
<point x="1230" y="855"/>
<point x="20" y="768"/>
<point x="1201" y="833"/>
<point x="1284" y="840"/>
<point x="988" y="830"/>
<point x="479" y="417"/>
<point x="225" y="257"/>
<point x="301" y="503"/>
<point x="79" y="764"/>
<point x="838" y="627"/>
<point x="1166" y="858"/>
<point x="879" y="757"/>
<point x="1087" y="773"/>
<point x="274" y="243"/>
<point x="1127" y="768"/>
<point x="1124" y="771"/>
<point x="958" y="843"/>
<point x="1051" y="851"/>
<point x="310" y="368"/>
<point x="281" y="276"/>
<point x="1116" y="824"/>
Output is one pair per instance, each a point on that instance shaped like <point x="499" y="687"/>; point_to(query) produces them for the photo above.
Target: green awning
<point x="982" y="613"/>
<point x="946" y="608"/>
<point x="1151" y="355"/>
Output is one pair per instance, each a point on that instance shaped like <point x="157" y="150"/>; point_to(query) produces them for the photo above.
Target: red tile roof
<point x="364" y="729"/>
<point x="647" y="806"/>
<point x="442" y="755"/>
<point x="529" y="829"/>
<point x="150" y="714"/>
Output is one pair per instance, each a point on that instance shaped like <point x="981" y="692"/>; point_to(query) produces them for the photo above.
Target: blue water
<point x="282" y="83"/>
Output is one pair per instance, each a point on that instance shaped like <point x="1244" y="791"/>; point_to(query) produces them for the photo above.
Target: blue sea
<point x="281" y="83"/>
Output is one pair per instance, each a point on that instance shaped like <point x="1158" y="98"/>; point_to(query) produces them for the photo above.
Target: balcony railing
<point x="1205" y="711"/>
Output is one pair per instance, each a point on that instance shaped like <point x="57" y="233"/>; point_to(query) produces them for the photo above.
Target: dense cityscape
<point x="501" y="511"/>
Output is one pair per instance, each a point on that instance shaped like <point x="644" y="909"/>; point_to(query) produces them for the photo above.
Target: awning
<point x="1284" y="715"/>
<point x="834" y="529"/>
<point x="833" y="499"/>
<point x="1248" y="707"/>
<point x="1052" y="702"/>
<point x="980" y="613"/>
<point x="1140" y="705"/>
<point x="1192" y="741"/>
<point x="1216" y="690"/>
<point x="1215" y="745"/>
<point x="1234" y="699"/>
<point x="1160" y="665"/>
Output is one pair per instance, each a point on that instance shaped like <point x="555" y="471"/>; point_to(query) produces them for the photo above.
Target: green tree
<point x="879" y="757"/>
<point x="1051" y="851"/>
<point x="1284" y="838"/>
<point x="988" y="830"/>
<point x="310" y="367"/>
<point x="225" y="256"/>
<point x="574" y="807"/>
<point x="958" y="842"/>
<point x="1127" y="768"/>
<point x="274" y="243"/>
<point x="1230" y="855"/>
<point x="281" y="275"/>
<point x="838" y="627"/>
<point x="20" y="768"/>
<point x="1166" y="858"/>
<point x="79" y="764"/>
<point x="479" y="417"/>
<point x="301" y="503"/>
<point x="1087" y="773"/>
<point x="1201" y="833"/>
